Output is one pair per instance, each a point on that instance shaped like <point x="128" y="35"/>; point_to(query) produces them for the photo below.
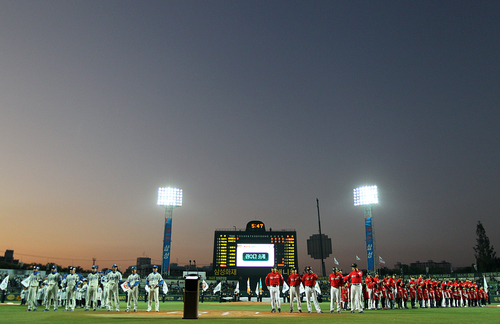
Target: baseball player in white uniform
<point x="154" y="281"/>
<point x="93" y="286"/>
<point x="104" y="294"/>
<point x="71" y="286"/>
<point x="133" y="293"/>
<point x="53" y="280"/>
<point x="33" y="281"/>
<point x="114" y="278"/>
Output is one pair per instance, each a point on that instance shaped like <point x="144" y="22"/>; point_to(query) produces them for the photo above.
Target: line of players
<point x="109" y="281"/>
<point x="352" y="293"/>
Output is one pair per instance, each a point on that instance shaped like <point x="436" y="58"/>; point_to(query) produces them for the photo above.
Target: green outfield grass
<point x="16" y="314"/>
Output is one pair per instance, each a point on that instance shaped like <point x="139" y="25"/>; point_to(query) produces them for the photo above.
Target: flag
<point x="125" y="286"/>
<point x="4" y="283"/>
<point x="261" y="290"/>
<point x="218" y="287"/>
<point x="336" y="262"/>
<point x="381" y="260"/>
<point x="285" y="288"/>
<point x="301" y="288"/>
<point x="25" y="282"/>
<point x="357" y="258"/>
<point x="237" y="289"/>
<point x="318" y="290"/>
<point x="204" y="285"/>
<point x="249" y="291"/>
<point x="257" y="289"/>
<point x="485" y="284"/>
<point x="165" y="288"/>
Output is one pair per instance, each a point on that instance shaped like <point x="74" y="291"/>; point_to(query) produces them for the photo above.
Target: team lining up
<point x="110" y="282"/>
<point x="350" y="292"/>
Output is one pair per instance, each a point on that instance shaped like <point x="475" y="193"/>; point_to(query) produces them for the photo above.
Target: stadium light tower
<point x="168" y="198"/>
<point x="368" y="196"/>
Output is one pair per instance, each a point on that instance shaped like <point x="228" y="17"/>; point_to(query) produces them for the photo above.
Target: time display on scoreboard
<point x="242" y="249"/>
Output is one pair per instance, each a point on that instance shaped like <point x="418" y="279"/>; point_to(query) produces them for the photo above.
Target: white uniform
<point x="93" y="286"/>
<point x="114" y="278"/>
<point x="71" y="286"/>
<point x="154" y="281"/>
<point x="33" y="281"/>
<point x="104" y="295"/>
<point x="53" y="280"/>
<point x="312" y="294"/>
<point x="133" y="293"/>
<point x="40" y="296"/>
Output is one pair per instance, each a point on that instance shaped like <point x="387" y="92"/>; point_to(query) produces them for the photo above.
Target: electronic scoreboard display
<point x="238" y="253"/>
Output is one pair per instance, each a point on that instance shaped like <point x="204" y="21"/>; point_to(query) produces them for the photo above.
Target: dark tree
<point x="485" y="254"/>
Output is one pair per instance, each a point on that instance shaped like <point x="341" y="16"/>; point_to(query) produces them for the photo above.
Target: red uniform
<point x="294" y="280"/>
<point x="413" y="292"/>
<point x="274" y="279"/>
<point x="420" y="293"/>
<point x="356" y="277"/>
<point x="345" y="295"/>
<point x="336" y="280"/>
<point x="309" y="279"/>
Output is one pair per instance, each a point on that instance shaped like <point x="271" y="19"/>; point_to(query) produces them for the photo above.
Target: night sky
<point x="254" y="109"/>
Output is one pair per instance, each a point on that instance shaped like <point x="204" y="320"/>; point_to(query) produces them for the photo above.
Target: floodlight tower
<point x="368" y="196"/>
<point x="168" y="198"/>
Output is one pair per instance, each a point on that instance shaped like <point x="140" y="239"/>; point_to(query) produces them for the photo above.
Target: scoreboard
<point x="255" y="250"/>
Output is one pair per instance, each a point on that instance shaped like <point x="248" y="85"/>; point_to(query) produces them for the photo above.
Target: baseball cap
<point x="114" y="266"/>
<point x="134" y="268"/>
<point x="54" y="267"/>
<point x="155" y="266"/>
<point x="354" y="265"/>
<point x="94" y="267"/>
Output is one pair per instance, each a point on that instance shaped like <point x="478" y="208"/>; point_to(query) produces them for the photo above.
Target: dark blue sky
<point x="255" y="109"/>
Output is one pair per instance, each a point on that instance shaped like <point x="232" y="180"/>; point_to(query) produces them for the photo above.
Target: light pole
<point x="168" y="198"/>
<point x="367" y="197"/>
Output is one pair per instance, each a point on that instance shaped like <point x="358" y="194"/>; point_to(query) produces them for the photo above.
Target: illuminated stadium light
<point x="169" y="197"/>
<point x="367" y="195"/>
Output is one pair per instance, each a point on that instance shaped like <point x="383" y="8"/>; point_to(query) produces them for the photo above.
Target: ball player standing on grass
<point x="33" y="282"/>
<point x="154" y="281"/>
<point x="273" y="282"/>
<point x="336" y="282"/>
<point x="133" y="293"/>
<point x="309" y="281"/>
<point x="53" y="282"/>
<point x="71" y="286"/>
<point x="93" y="287"/>
<point x="114" y="278"/>
<point x="294" y="281"/>
<point x="356" y="279"/>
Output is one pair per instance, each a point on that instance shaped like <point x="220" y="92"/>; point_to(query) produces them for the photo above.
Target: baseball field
<point x="249" y="312"/>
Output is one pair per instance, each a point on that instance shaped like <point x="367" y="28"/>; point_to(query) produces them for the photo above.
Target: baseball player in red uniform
<point x="356" y="279"/>
<point x="273" y="282"/>
<point x="294" y="281"/>
<point x="336" y="282"/>
<point x="369" y="289"/>
<point x="309" y="281"/>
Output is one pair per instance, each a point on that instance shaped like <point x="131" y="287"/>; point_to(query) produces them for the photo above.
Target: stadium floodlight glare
<point x="169" y="197"/>
<point x="367" y="195"/>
